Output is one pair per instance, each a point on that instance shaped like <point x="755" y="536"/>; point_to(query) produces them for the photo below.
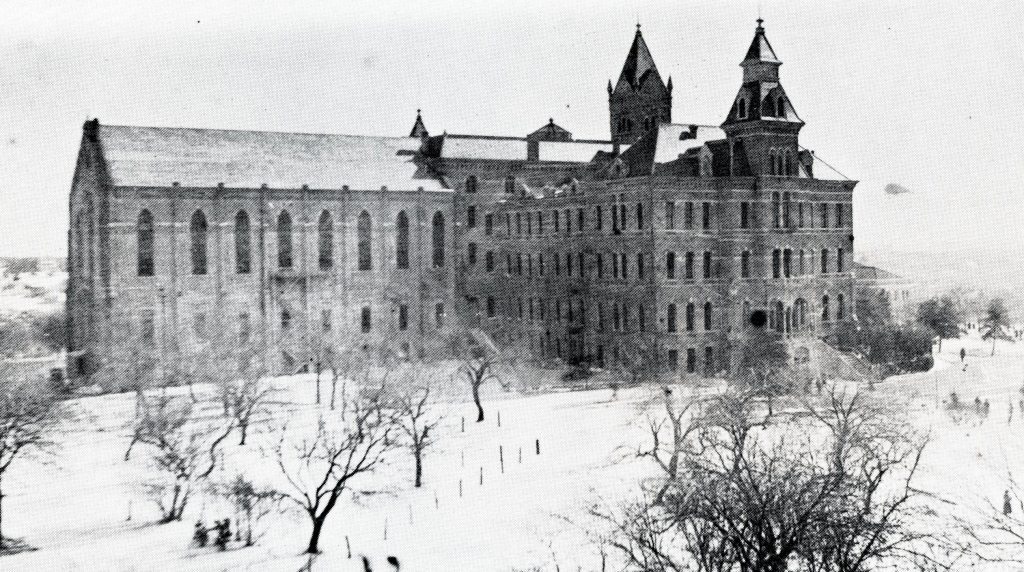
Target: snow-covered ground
<point x="75" y="506"/>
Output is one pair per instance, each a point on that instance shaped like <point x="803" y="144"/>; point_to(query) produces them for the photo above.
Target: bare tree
<point x="418" y="422"/>
<point x="480" y="363"/>
<point x="321" y="466"/>
<point x="246" y="399"/>
<point x="184" y="449"/>
<point x="667" y="452"/>
<point x="828" y="488"/>
<point x="29" y="413"/>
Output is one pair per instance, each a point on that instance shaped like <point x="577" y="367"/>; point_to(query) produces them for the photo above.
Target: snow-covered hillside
<point x="84" y="507"/>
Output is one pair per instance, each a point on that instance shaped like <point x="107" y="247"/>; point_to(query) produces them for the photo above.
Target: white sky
<point x="926" y="94"/>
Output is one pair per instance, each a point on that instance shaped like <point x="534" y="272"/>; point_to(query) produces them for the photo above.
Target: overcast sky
<point x="929" y="95"/>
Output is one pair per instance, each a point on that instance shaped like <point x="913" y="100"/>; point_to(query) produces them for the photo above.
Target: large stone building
<point x="199" y="246"/>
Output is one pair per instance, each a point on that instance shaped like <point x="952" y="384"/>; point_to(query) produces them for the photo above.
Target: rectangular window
<point x="508" y="264"/>
<point x="691" y="360"/>
<point x="471" y="253"/>
<point x="689" y="266"/>
<point x="490" y="307"/>
<point x="707" y="265"/>
<point x="706" y="215"/>
<point x="824" y="261"/>
<point x="615" y="265"/>
<point x="558" y="264"/>
<point x="745" y="264"/>
<point x="776" y="263"/>
<point x="688" y="215"/>
<point x="639" y="216"/>
<point x="690" y="316"/>
<point x="540" y="223"/>
<point x="403" y="317"/>
<point x="670" y="215"/>
<point x="519" y="223"/>
<point x="244" y="328"/>
<point x="709" y="361"/>
<point x="439" y="314"/>
<point x="149" y="328"/>
<point x="824" y="214"/>
<point x="556" y="215"/>
<point x="670" y="265"/>
<point x="745" y="215"/>
<point x="599" y="263"/>
<point x="508" y="224"/>
<point x="640" y="266"/>
<point x="286" y="319"/>
<point x="364" y="320"/>
<point x="673" y="360"/>
<point x="471" y="216"/>
<point x="580" y="221"/>
<point x="579" y="258"/>
<point x="489" y="260"/>
<point x="568" y="264"/>
<point x="800" y="215"/>
<point x="839" y="260"/>
<point x="625" y="266"/>
<point x="672" y="326"/>
<point x="540" y="264"/>
<point x="325" y="321"/>
<point x="839" y="215"/>
<point x="488" y="224"/>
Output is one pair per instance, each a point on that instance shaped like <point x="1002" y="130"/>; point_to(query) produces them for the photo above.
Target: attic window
<point x="742" y="114"/>
<point x="769" y="107"/>
<point x="780" y="109"/>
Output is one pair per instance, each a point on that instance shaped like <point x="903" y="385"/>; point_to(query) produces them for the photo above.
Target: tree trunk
<point x="476" y="400"/>
<point x="993" y="345"/>
<point x="245" y="429"/>
<point x="314" y="539"/>
<point x="940" y="344"/>
<point x="1" y="515"/>
<point x="419" y="466"/>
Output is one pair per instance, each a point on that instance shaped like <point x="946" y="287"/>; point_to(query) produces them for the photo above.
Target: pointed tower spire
<point x="419" y="129"/>
<point x="639" y="99"/>
<point x="762" y="125"/>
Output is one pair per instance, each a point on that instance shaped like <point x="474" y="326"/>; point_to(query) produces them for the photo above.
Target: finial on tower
<point x="760" y="23"/>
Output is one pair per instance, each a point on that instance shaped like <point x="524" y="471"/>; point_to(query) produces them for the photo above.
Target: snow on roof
<point x="470" y="147"/>
<point x="575" y="151"/>
<point x="674" y="139"/>
<point x="159" y="156"/>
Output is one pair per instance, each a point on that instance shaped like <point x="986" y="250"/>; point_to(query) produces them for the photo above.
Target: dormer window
<point x="780" y="108"/>
<point x="769" y="108"/>
<point x="742" y="112"/>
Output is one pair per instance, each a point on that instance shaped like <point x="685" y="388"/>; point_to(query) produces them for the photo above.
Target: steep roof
<point x="419" y="130"/>
<point x="513" y="148"/>
<point x="159" y="156"/>
<point x="639" y="63"/>
<point x="760" y="49"/>
<point x="666" y="143"/>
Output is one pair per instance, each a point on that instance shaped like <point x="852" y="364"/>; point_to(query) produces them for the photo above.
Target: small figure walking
<point x="963" y="354"/>
<point x="201" y="536"/>
<point x="1007" y="507"/>
<point x="223" y="534"/>
<point x="987" y="408"/>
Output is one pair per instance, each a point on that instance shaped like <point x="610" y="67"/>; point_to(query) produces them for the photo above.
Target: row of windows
<point x="688" y="266"/>
<point x="786" y="214"/>
<point x="671" y="317"/>
<point x="567" y="264"/>
<point x="691" y="360"/>
<point x="781" y="162"/>
<point x="771" y="107"/>
<point x="199" y="231"/>
<point x="783" y="213"/>
<point x="783" y="263"/>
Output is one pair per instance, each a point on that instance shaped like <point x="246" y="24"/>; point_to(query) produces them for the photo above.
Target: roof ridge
<point x="230" y="130"/>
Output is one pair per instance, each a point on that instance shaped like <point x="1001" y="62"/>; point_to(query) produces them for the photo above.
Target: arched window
<point x="437" y="239"/>
<point x="743" y="109"/>
<point x="801" y="313"/>
<point x="471" y="184"/>
<point x="840" y="306"/>
<point x="326" y="240"/>
<point x="771" y="159"/>
<point x="780" y="317"/>
<point x="672" y="318"/>
<point x="708" y="316"/>
<point x="825" y="314"/>
<point x="197" y="229"/>
<point x="639" y="216"/>
<point x="402" y="240"/>
<point x="690" y="311"/>
<point x="243" y="250"/>
<point x="145" y="243"/>
<point x="769" y="108"/>
<point x="364" y="241"/>
<point x="284" y="240"/>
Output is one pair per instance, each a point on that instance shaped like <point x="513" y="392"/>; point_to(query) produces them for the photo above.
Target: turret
<point x="640" y="99"/>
